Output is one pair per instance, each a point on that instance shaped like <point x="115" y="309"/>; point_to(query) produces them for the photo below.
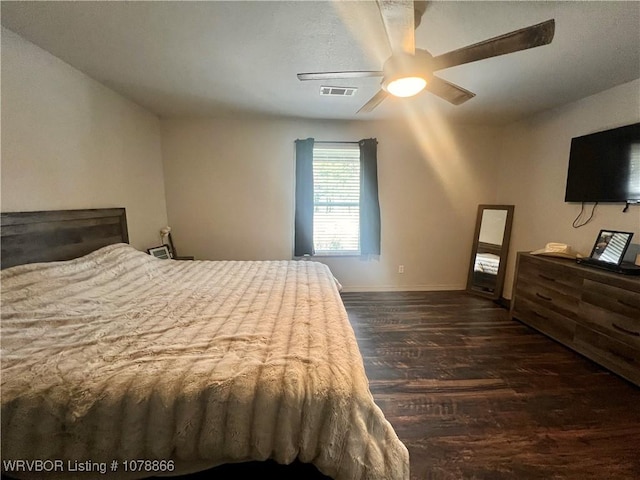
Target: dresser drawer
<point x="547" y="295"/>
<point x="550" y="276"/>
<point x="618" y="356"/>
<point x="621" y="301"/>
<point x="544" y="319"/>
<point x="611" y="310"/>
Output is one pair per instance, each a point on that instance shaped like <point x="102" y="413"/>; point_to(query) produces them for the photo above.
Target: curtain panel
<point x="369" y="201"/>
<point x="303" y="235"/>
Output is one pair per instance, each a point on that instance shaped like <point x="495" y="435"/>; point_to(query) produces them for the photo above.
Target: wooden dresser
<point x="594" y="312"/>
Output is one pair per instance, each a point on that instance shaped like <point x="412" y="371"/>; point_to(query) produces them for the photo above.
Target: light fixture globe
<point x="405" y="75"/>
<point x="406" y="86"/>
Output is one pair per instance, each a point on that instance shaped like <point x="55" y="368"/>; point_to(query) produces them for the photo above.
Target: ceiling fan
<point x="409" y="70"/>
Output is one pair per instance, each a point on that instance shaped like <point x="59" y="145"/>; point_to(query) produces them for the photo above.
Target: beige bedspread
<point x="122" y="356"/>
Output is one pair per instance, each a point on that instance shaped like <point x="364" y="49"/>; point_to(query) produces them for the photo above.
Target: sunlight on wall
<point x="436" y="142"/>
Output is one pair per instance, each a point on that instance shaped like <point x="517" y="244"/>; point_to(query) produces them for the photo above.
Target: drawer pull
<point x="625" y="330"/>
<point x="622" y="302"/>
<point x="548" y="299"/>
<point x="620" y="355"/>
<point x="546" y="278"/>
<point x="540" y="315"/>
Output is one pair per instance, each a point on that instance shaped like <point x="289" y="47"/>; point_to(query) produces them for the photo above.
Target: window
<point x="336" y="199"/>
<point x="337" y="209"/>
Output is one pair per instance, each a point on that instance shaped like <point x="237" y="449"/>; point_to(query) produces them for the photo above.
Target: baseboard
<point x="402" y="288"/>
<point x="504" y="302"/>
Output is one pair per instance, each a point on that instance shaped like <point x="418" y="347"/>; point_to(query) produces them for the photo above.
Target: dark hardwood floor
<point x="475" y="395"/>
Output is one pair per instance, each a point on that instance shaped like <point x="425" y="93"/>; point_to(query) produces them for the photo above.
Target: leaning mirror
<point x="490" y="249"/>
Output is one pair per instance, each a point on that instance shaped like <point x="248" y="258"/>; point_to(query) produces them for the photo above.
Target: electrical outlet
<point x="400" y="268"/>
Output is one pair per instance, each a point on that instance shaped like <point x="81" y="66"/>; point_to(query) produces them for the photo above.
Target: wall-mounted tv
<point x="605" y="166"/>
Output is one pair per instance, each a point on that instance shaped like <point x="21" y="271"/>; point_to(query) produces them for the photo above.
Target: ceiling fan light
<point x="406" y="86"/>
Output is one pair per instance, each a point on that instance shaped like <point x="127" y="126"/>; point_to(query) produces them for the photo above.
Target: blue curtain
<point x="369" y="202"/>
<point x="303" y="236"/>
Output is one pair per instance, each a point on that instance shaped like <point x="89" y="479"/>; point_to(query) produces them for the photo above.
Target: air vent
<point x="338" y="91"/>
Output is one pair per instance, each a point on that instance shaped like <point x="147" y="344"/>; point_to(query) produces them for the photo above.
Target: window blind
<point x="336" y="203"/>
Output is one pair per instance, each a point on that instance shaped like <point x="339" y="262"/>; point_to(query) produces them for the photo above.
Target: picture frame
<point x="161" y="252"/>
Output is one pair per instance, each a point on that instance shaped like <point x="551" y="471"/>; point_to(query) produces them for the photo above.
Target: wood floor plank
<point x="475" y="395"/>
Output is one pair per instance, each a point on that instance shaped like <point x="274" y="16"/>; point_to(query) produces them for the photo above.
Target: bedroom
<point x="69" y="140"/>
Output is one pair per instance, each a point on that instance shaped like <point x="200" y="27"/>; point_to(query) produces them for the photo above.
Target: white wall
<point x="230" y="193"/>
<point x="533" y="165"/>
<point x="69" y="142"/>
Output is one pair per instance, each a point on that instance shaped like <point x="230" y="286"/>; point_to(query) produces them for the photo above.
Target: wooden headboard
<point x="48" y="236"/>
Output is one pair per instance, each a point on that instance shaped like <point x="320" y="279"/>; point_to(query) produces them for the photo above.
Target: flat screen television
<point x="605" y="166"/>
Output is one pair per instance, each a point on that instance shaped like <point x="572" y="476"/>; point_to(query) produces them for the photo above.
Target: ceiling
<point x="180" y="58"/>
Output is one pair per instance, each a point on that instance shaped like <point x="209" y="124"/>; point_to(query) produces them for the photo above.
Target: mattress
<point x="118" y="357"/>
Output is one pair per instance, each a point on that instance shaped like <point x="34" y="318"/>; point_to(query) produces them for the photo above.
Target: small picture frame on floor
<point x="160" y="252"/>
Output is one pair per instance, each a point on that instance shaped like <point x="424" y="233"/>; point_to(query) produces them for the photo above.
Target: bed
<point x="119" y="361"/>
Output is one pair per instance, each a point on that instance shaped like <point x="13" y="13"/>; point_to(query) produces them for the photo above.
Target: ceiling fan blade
<point x="419" y="7"/>
<point x="448" y="91"/>
<point x="523" y="39"/>
<point x="398" y="20"/>
<point x="373" y="102"/>
<point x="339" y="75"/>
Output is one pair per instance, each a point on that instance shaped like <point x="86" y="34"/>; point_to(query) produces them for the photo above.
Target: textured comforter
<point x="122" y="356"/>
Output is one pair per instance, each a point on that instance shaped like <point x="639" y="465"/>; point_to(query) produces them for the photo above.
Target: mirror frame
<point x="504" y="251"/>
